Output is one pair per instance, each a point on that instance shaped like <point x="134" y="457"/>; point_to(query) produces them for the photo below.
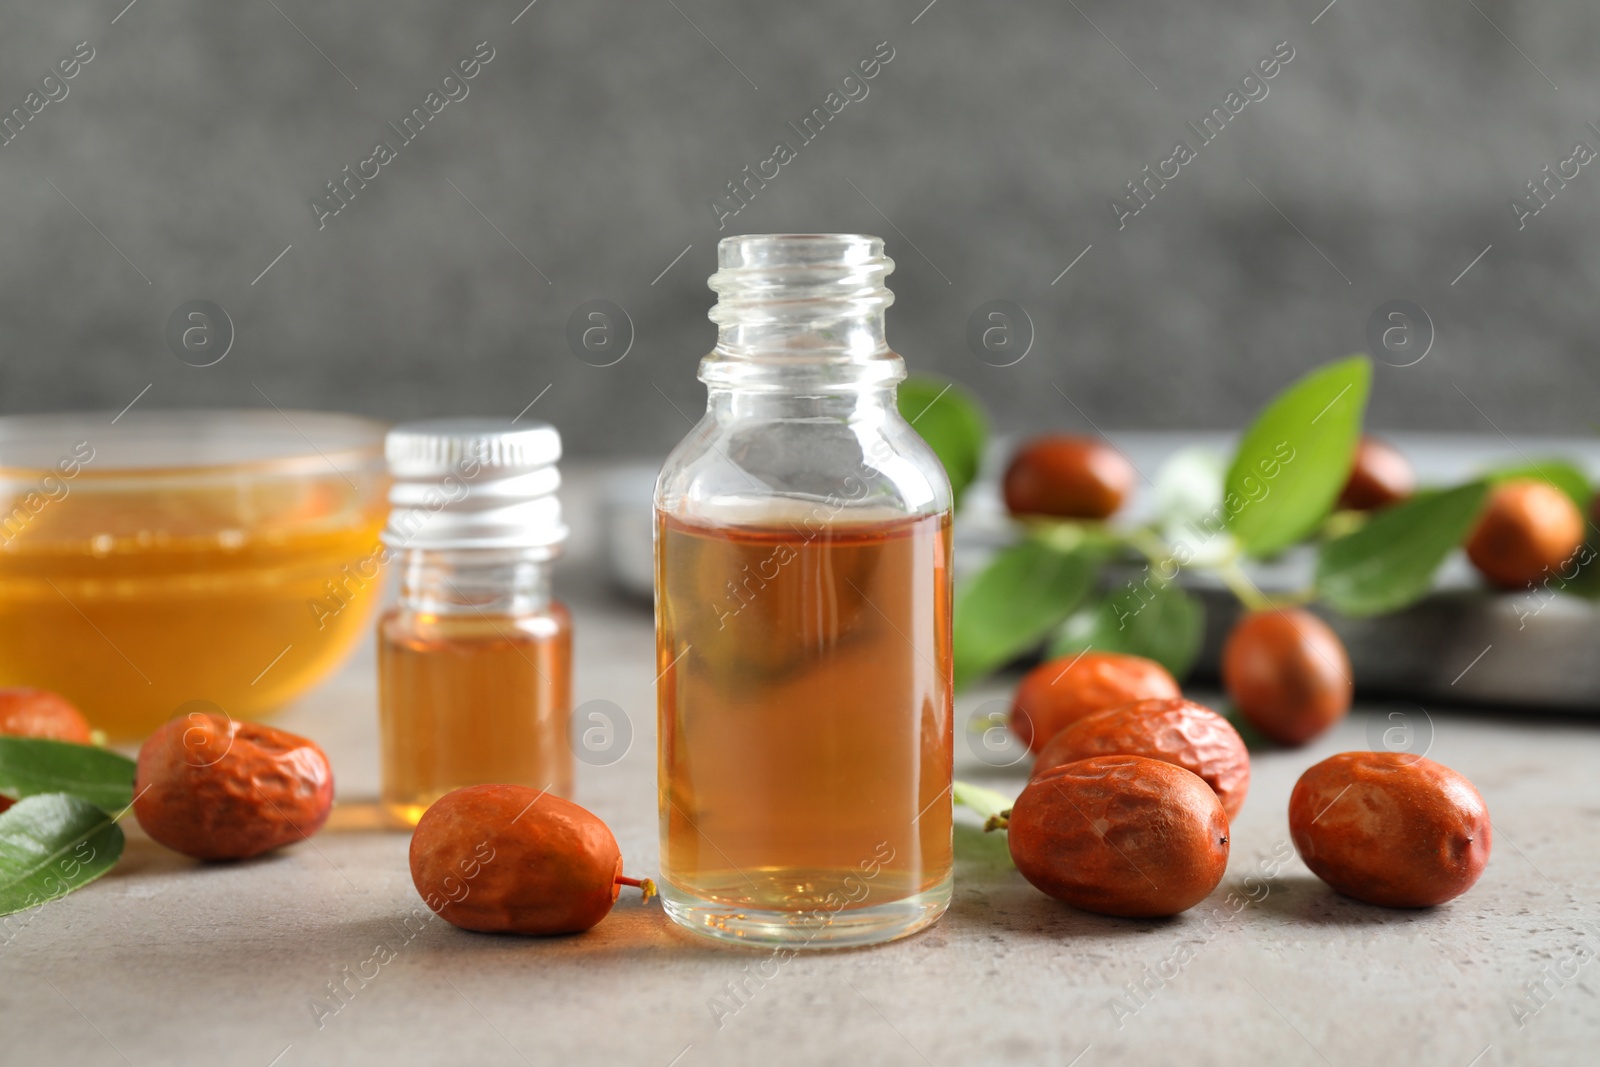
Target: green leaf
<point x="32" y="765"/>
<point x="1075" y="535"/>
<point x="1294" y="459"/>
<point x="1390" y="561"/>
<point x="1020" y="597"/>
<point x="1159" y="622"/>
<point x="1557" y="472"/>
<point x="51" y="845"/>
<point x="1586" y="583"/>
<point x="951" y="421"/>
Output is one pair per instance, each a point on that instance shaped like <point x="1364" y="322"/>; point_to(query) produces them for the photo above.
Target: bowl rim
<point x="339" y="460"/>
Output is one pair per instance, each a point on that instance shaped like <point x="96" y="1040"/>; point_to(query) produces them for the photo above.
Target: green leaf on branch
<point x="1295" y="458"/>
<point x="1390" y="562"/>
<point x="32" y="765"/>
<point x="51" y="845"/>
<point x="1014" y="602"/>
<point x="951" y="421"/>
<point x="1159" y="622"/>
<point x="1074" y="535"/>
<point x="1557" y="472"/>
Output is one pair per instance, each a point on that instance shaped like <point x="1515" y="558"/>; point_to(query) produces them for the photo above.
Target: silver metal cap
<point x="474" y="483"/>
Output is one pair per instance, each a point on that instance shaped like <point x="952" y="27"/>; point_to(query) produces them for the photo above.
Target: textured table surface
<point x="168" y="962"/>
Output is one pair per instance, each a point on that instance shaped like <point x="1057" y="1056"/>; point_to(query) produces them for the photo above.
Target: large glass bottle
<point x="803" y="617"/>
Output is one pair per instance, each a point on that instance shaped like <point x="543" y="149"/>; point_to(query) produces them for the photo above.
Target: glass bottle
<point x="475" y="660"/>
<point x="803" y="612"/>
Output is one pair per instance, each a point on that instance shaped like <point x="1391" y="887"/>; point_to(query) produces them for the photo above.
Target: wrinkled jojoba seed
<point x="216" y="789"/>
<point x="1180" y="732"/>
<point x="1120" y="835"/>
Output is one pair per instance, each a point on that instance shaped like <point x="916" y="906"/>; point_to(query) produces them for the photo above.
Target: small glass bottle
<point x="475" y="661"/>
<point x="803" y="614"/>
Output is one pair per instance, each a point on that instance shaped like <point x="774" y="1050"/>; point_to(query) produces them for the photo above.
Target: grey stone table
<point x="165" y="961"/>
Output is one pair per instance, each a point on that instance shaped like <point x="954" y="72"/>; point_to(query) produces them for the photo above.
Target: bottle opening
<point x="818" y="294"/>
<point x="792" y="250"/>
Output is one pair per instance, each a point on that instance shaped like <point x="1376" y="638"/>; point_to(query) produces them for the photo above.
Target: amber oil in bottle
<point x="803" y="618"/>
<point x="475" y="659"/>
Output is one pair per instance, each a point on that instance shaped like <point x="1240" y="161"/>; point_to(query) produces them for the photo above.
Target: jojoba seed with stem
<point x="513" y="859"/>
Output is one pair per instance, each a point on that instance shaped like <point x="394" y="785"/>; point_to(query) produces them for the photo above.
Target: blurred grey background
<point x="183" y="159"/>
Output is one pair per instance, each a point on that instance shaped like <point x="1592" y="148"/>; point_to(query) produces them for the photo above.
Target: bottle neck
<point x="803" y="331"/>
<point x="801" y="313"/>
<point x="505" y="582"/>
<point x="776" y="397"/>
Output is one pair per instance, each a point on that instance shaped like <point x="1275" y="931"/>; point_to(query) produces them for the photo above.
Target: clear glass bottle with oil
<point x="803" y="612"/>
<point x="475" y="660"/>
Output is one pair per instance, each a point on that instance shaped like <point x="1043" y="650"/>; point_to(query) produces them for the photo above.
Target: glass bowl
<point x="165" y="557"/>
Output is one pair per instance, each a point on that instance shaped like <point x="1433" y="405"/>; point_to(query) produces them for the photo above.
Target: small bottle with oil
<point x="475" y="661"/>
<point x="803" y="613"/>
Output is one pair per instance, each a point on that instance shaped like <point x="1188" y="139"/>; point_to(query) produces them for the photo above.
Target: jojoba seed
<point x="1527" y="531"/>
<point x="1288" y="673"/>
<point x="512" y="859"/>
<point x="1180" y="732"/>
<point x="1068" y="477"/>
<point x="1380" y="476"/>
<point x="216" y="789"/>
<point x="1059" y="692"/>
<point x="1120" y="835"/>
<point x="40" y="713"/>
<point x="1390" y="828"/>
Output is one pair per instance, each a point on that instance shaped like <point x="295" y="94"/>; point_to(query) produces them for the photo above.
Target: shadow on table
<point x="1306" y="900"/>
<point x="142" y="856"/>
<point x="632" y="932"/>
